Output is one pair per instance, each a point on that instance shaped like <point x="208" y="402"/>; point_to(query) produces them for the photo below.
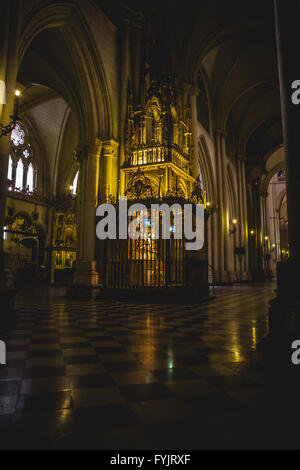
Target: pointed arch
<point x="94" y="108"/>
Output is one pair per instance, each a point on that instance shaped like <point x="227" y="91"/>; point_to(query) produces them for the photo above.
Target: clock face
<point x="138" y="187"/>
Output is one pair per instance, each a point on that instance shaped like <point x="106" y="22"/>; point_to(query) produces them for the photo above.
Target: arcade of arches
<point x="154" y="100"/>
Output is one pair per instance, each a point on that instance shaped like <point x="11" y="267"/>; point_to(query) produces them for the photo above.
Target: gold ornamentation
<point x="139" y="187"/>
<point x="197" y="196"/>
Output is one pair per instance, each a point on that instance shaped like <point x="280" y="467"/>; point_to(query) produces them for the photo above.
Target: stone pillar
<point x="214" y="223"/>
<point x="285" y="309"/>
<point x="108" y="171"/>
<point x="219" y="234"/>
<point x="85" y="280"/>
<point x="263" y="198"/>
<point x="243" y="216"/>
<point x="246" y="275"/>
<point x="255" y="241"/>
<point x="9" y="46"/>
<point x="223" y="276"/>
<point x="240" y="215"/>
<point x="9" y="35"/>
<point x="227" y="253"/>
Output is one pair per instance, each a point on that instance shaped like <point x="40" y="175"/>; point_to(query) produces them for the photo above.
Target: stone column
<point x="223" y="230"/>
<point x="9" y="40"/>
<point x="285" y="309"/>
<point x="240" y="215"/>
<point x="243" y="215"/>
<point x="214" y="219"/>
<point x="108" y="170"/>
<point x="245" y="219"/>
<point x="219" y="231"/>
<point x="263" y="198"/>
<point x="86" y="276"/>
<point x="255" y="241"/>
<point x="9" y="46"/>
<point x="227" y="253"/>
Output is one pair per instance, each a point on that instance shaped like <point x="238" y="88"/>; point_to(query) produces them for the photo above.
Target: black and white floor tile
<point x="114" y="375"/>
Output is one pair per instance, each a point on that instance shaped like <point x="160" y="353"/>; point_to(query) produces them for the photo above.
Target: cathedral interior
<point x="138" y="343"/>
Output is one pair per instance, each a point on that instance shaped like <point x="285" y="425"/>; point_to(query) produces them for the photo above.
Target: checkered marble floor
<point x="114" y="375"/>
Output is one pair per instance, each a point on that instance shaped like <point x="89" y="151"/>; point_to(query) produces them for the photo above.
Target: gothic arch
<point x="56" y="189"/>
<point x="38" y="150"/>
<point x="95" y="109"/>
<point x="280" y="199"/>
<point x="264" y="185"/>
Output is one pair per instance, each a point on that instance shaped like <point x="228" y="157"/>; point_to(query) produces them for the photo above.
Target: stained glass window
<point x="17" y="135"/>
<point x="19" y="175"/>
<point x="75" y="184"/>
<point x="21" y="166"/>
<point x="30" y="176"/>
<point x="10" y="169"/>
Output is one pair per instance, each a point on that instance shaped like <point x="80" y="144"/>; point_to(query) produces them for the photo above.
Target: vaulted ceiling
<point x="233" y="44"/>
<point x="48" y="103"/>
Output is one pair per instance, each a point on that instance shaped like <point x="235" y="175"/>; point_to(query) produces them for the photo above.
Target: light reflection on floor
<point x="130" y="376"/>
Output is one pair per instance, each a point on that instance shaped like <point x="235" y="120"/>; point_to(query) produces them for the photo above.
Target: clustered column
<point x="108" y="184"/>
<point x="243" y="218"/>
<point x="223" y="228"/>
<point x="86" y="268"/>
<point x="9" y="45"/>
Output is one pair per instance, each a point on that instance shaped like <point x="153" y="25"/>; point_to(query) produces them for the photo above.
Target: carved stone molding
<point x="110" y="148"/>
<point x="93" y="147"/>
